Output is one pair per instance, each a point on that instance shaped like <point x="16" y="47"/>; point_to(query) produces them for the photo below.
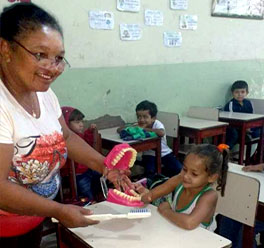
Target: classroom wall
<point x="110" y="76"/>
<point x="174" y="88"/>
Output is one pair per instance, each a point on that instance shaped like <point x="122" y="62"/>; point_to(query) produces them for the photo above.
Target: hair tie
<point x="222" y="147"/>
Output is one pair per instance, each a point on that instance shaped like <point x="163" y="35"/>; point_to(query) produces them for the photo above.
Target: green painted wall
<point x="117" y="90"/>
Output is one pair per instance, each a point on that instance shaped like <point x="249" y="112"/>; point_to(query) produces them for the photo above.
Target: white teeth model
<point x="122" y="153"/>
<point x="133" y="158"/>
<point x="128" y="197"/>
<point x="134" y="193"/>
<point x="115" y="161"/>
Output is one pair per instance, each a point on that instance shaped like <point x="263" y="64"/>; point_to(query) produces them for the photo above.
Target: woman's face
<point x="25" y="71"/>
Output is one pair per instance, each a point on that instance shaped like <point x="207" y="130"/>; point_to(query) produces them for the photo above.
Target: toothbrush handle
<point x="101" y="217"/>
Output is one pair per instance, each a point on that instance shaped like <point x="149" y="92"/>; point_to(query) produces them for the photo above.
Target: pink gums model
<point x="122" y="198"/>
<point x="122" y="157"/>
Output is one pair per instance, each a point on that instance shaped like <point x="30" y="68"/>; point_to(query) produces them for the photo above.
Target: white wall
<point x="216" y="39"/>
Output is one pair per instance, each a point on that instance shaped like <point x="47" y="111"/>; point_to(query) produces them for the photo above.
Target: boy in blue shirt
<point x="240" y="104"/>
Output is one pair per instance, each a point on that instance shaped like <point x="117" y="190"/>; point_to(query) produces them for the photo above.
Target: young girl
<point x="88" y="181"/>
<point x="194" y="200"/>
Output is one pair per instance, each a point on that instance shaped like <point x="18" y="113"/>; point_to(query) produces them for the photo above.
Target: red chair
<point x="68" y="188"/>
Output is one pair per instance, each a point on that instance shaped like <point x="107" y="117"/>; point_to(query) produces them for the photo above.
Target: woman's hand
<point x="120" y="179"/>
<point x="74" y="216"/>
<point x="164" y="207"/>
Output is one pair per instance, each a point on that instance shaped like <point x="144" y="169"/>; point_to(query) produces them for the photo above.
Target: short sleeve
<point x="158" y="125"/>
<point x="55" y="103"/>
<point x="6" y="126"/>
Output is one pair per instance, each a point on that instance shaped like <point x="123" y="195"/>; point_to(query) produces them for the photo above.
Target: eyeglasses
<point x="42" y="59"/>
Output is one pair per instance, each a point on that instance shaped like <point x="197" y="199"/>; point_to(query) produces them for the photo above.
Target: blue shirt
<point x="234" y="106"/>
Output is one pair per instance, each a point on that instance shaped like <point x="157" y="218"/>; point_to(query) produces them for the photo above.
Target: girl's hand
<point x="147" y="198"/>
<point x="257" y="168"/>
<point x="74" y="216"/>
<point x="164" y="207"/>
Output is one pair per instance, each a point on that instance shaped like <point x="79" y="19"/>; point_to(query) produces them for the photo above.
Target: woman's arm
<point x="17" y="199"/>
<point x="162" y="189"/>
<point x="203" y="211"/>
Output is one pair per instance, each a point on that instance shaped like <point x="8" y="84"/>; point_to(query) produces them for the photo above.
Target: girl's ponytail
<point x="221" y="182"/>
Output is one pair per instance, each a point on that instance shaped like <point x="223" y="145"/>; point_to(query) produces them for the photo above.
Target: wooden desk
<point x="248" y="233"/>
<point x="110" y="138"/>
<point x="153" y="232"/>
<point x="244" y="121"/>
<point x="198" y="129"/>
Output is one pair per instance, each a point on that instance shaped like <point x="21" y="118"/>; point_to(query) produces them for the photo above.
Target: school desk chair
<point x="204" y="113"/>
<point x="251" y="144"/>
<point x="258" y="107"/>
<point x="240" y="202"/>
<point x="171" y="122"/>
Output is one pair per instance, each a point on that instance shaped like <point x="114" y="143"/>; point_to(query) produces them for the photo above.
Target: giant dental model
<point x="122" y="157"/>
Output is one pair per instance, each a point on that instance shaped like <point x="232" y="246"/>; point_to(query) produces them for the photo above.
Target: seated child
<point x="146" y="115"/>
<point x="232" y="229"/>
<point x="88" y="181"/>
<point x="240" y="104"/>
<point x="194" y="199"/>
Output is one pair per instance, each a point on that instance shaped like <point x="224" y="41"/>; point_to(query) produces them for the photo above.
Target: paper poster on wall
<point x="188" y="22"/>
<point x="172" y="39"/>
<point x="128" y="5"/>
<point x="243" y="8"/>
<point x="22" y="1"/>
<point x="101" y="19"/>
<point x="130" y="32"/>
<point x="153" y="17"/>
<point x="179" y="4"/>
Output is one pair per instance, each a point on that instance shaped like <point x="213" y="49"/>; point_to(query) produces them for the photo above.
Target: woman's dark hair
<point x="147" y="105"/>
<point x="21" y="18"/>
<point x="216" y="162"/>
<point x="76" y="115"/>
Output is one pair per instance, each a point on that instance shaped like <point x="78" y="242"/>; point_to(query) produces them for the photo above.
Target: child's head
<point x="205" y="164"/>
<point x="146" y="113"/>
<point x="239" y="90"/>
<point x="73" y="118"/>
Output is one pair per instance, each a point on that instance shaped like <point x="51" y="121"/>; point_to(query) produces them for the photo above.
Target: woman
<point x="34" y="139"/>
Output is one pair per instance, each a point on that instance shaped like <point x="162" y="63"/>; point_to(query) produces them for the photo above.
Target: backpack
<point x="155" y="181"/>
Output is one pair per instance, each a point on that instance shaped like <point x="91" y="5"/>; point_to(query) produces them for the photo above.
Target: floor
<point x="49" y="241"/>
